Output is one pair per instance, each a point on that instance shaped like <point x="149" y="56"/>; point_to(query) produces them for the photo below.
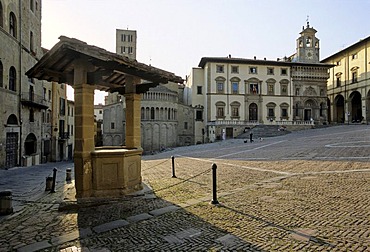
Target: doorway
<point x="307" y="114"/>
<point x="253" y="114"/>
<point x="11" y="149"/>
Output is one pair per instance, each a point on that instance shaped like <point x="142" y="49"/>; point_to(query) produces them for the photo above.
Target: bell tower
<point x="308" y="46"/>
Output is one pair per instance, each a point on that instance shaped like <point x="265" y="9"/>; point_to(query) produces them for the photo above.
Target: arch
<point x="1" y="15"/>
<point x="142" y="110"/>
<point x="253" y="79"/>
<point x="355" y="107"/>
<point x="271" y="80"/>
<point x="1" y="72"/>
<point x="220" y="103"/>
<point x="220" y="78"/>
<point x="30" y="144"/>
<point x="271" y="104"/>
<point x="164" y="137"/>
<point x="310" y="103"/>
<point x="284" y="81"/>
<point x="117" y="140"/>
<point x="309" y="109"/>
<point x="284" y="104"/>
<point x="235" y="103"/>
<point x="12" y="120"/>
<point x="12" y="78"/>
<point x="108" y="140"/>
<point x="235" y="79"/>
<point x="338" y="109"/>
<point x="12" y="25"/>
<point x="253" y="112"/>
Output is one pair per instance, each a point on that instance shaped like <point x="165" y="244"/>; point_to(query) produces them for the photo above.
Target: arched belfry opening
<point x="102" y="172"/>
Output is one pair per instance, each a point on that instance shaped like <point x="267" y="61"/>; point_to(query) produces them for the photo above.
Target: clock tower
<point x="308" y="46"/>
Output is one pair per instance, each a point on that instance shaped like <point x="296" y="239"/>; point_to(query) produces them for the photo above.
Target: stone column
<point x="133" y="114"/>
<point x="84" y="131"/>
<point x="364" y="110"/>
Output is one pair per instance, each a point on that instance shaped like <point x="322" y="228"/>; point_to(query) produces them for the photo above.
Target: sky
<point x="175" y="34"/>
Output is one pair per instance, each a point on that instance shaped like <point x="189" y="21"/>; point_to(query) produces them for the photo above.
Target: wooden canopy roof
<point x="108" y="70"/>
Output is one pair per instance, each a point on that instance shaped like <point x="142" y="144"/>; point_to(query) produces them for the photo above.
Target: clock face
<point x="309" y="54"/>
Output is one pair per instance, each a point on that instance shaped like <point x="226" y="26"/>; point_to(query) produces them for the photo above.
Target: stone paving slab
<point x="139" y="217"/>
<point x="110" y="225"/>
<point x="164" y="210"/>
<point x="35" y="246"/>
<point x="290" y="193"/>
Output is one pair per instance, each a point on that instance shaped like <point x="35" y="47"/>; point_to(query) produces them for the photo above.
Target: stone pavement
<point x="306" y="191"/>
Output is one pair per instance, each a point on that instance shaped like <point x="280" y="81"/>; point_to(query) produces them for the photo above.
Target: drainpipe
<point x="366" y="78"/>
<point x="227" y="89"/>
<point x="20" y="82"/>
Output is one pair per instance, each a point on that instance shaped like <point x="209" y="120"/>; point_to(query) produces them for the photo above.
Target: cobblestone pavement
<point x="305" y="191"/>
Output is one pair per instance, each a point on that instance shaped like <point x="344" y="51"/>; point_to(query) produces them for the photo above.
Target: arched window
<point x="12" y="79"/>
<point x="12" y="25"/>
<point x="152" y="114"/>
<point x="31" y="42"/>
<point x="1" y="15"/>
<point x="30" y="144"/>
<point x="31" y="5"/>
<point x="1" y="73"/>
<point x="12" y="120"/>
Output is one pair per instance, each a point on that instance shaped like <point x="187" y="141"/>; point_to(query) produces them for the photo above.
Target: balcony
<point x="63" y="135"/>
<point x="32" y="100"/>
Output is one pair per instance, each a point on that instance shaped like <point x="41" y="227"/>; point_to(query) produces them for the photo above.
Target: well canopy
<point x="107" y="70"/>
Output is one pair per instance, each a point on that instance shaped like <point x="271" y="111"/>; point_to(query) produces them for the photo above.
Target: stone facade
<point x="349" y="84"/>
<point x="34" y="130"/>
<point x="165" y="122"/>
<point x="230" y="94"/>
<point x="71" y="127"/>
<point x="21" y="99"/>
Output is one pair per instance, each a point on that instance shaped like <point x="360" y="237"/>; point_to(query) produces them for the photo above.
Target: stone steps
<point x="262" y="131"/>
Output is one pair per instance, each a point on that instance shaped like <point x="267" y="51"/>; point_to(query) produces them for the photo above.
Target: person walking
<point x="251" y="137"/>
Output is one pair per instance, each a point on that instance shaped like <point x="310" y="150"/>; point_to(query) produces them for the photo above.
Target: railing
<point x="253" y="123"/>
<point x="232" y="122"/>
<point x="32" y="99"/>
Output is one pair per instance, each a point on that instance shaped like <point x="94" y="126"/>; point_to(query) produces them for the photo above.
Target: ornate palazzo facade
<point x="230" y="94"/>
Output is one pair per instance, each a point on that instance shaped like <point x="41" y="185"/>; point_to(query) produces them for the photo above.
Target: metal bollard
<point x="173" y="167"/>
<point x="54" y="180"/>
<point x="68" y="174"/>
<point x="214" y="185"/>
<point x="6" y="203"/>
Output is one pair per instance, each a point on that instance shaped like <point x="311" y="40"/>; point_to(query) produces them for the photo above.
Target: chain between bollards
<point x="173" y="166"/>
<point x="54" y="180"/>
<point x="214" y="185"/>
